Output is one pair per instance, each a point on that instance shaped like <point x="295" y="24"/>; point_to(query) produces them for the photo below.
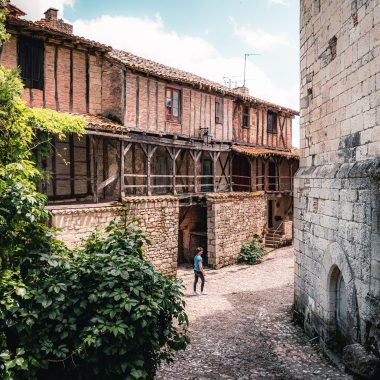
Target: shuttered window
<point x="219" y="110"/>
<point x="246" y="116"/>
<point x="272" y="122"/>
<point x="31" y="62"/>
<point x="173" y="105"/>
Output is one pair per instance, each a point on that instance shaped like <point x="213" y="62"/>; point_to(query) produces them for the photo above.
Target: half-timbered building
<point x="198" y="162"/>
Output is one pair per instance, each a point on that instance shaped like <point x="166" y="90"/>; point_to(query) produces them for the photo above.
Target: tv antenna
<point x="246" y="55"/>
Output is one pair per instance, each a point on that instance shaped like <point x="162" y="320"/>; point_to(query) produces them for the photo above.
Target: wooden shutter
<point x="38" y="64"/>
<point x="31" y="62"/>
<point x="219" y="110"/>
<point x="25" y="61"/>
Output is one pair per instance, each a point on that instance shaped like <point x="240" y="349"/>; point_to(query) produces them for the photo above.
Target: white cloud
<point x="278" y="2"/>
<point x="146" y="37"/>
<point x="258" y="39"/>
<point x="35" y="9"/>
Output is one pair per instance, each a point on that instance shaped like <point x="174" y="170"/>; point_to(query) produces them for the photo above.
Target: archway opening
<point x="339" y="307"/>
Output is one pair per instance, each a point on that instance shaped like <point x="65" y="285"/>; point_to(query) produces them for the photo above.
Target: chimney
<point x="51" y="20"/>
<point x="242" y="90"/>
<point x="51" y="14"/>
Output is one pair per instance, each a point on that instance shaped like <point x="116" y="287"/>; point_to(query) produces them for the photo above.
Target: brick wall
<point x="232" y="220"/>
<point x="158" y="217"/>
<point x="257" y="131"/>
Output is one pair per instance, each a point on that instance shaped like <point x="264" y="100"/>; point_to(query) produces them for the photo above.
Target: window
<point x="172" y="105"/>
<point x="31" y="62"/>
<point x="272" y="122"/>
<point x="246" y="116"/>
<point x="219" y="110"/>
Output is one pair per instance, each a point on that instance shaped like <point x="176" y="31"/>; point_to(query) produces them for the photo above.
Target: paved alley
<point x="243" y="330"/>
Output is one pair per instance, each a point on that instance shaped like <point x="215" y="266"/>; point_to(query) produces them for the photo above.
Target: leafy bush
<point x="252" y="252"/>
<point x="102" y="312"/>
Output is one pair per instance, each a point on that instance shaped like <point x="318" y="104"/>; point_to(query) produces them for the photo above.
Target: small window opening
<point x="246" y="116"/>
<point x="272" y="122"/>
<point x="173" y="105"/>
<point x="219" y="110"/>
<point x="31" y="62"/>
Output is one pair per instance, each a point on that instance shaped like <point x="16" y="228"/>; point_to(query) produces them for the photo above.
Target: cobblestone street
<point x="243" y="330"/>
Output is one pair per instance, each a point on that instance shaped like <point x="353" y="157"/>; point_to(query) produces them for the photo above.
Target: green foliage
<point x="3" y="13"/>
<point x="24" y="133"/>
<point x="252" y="252"/>
<point x="101" y="312"/>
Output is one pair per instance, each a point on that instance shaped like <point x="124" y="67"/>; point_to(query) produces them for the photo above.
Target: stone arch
<point x="337" y="281"/>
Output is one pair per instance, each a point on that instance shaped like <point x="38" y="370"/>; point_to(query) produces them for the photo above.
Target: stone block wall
<point x="158" y="217"/>
<point x="336" y="205"/>
<point x="232" y="220"/>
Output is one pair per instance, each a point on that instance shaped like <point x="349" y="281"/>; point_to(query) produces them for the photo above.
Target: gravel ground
<point x="243" y="330"/>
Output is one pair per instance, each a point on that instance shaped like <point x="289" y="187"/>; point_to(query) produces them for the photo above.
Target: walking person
<point x="199" y="271"/>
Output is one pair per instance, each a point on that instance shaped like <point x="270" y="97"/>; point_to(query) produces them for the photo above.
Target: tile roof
<point x="44" y="28"/>
<point x="170" y="73"/>
<point x="96" y="122"/>
<point x="266" y="152"/>
<point x="141" y="64"/>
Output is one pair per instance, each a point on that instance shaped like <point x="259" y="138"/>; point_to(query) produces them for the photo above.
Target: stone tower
<point x="337" y="189"/>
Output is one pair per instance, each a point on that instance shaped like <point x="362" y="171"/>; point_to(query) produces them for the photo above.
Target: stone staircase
<point x="273" y="238"/>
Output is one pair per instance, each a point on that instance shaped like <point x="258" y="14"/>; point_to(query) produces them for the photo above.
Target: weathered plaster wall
<point x="158" y="217"/>
<point x="232" y="220"/>
<point x="335" y="201"/>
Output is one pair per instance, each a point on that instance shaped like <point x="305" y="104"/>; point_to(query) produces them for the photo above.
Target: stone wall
<point x="232" y="220"/>
<point x="336" y="206"/>
<point x="158" y="215"/>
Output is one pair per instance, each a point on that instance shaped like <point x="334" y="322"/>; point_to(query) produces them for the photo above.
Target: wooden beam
<point x="265" y="178"/>
<point x="71" y="81"/>
<point x="56" y="96"/>
<point x="122" y="168"/>
<point x="54" y="166"/>
<point x="88" y="83"/>
<point x="195" y="156"/>
<point x="72" y="164"/>
<point x="149" y="151"/>
<point x="137" y="101"/>
<point x="230" y="167"/>
<point x="215" y="156"/>
<point x="88" y="164"/>
<point x="105" y="164"/>
<point x="95" y="166"/>
<point x="156" y="112"/>
<point x="148" y="103"/>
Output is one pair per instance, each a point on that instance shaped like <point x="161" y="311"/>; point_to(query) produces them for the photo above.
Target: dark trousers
<point x="197" y="275"/>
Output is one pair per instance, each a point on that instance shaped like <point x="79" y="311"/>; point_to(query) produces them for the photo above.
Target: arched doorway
<point x="339" y="305"/>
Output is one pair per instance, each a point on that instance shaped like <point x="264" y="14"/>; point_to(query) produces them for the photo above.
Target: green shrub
<point x="252" y="252"/>
<point x="102" y="312"/>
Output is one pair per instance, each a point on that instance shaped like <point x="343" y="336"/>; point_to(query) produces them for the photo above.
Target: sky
<point x="205" y="37"/>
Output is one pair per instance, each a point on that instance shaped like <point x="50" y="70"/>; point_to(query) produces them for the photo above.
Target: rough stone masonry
<point x="337" y="198"/>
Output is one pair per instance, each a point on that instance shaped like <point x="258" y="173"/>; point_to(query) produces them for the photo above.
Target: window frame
<point x="219" y="116"/>
<point x="246" y="115"/>
<point x="31" y="61"/>
<point x="169" y="117"/>
<point x="274" y="128"/>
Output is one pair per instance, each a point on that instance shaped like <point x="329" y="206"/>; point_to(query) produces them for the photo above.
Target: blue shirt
<point x="197" y="261"/>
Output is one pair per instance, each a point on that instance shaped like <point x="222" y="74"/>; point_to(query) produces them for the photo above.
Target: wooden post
<point x="195" y="156"/>
<point x="250" y="174"/>
<point x="149" y="151"/>
<point x="215" y="156"/>
<point x="122" y="169"/>
<point x="230" y="168"/>
<point x="95" y="165"/>
<point x="265" y="179"/>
